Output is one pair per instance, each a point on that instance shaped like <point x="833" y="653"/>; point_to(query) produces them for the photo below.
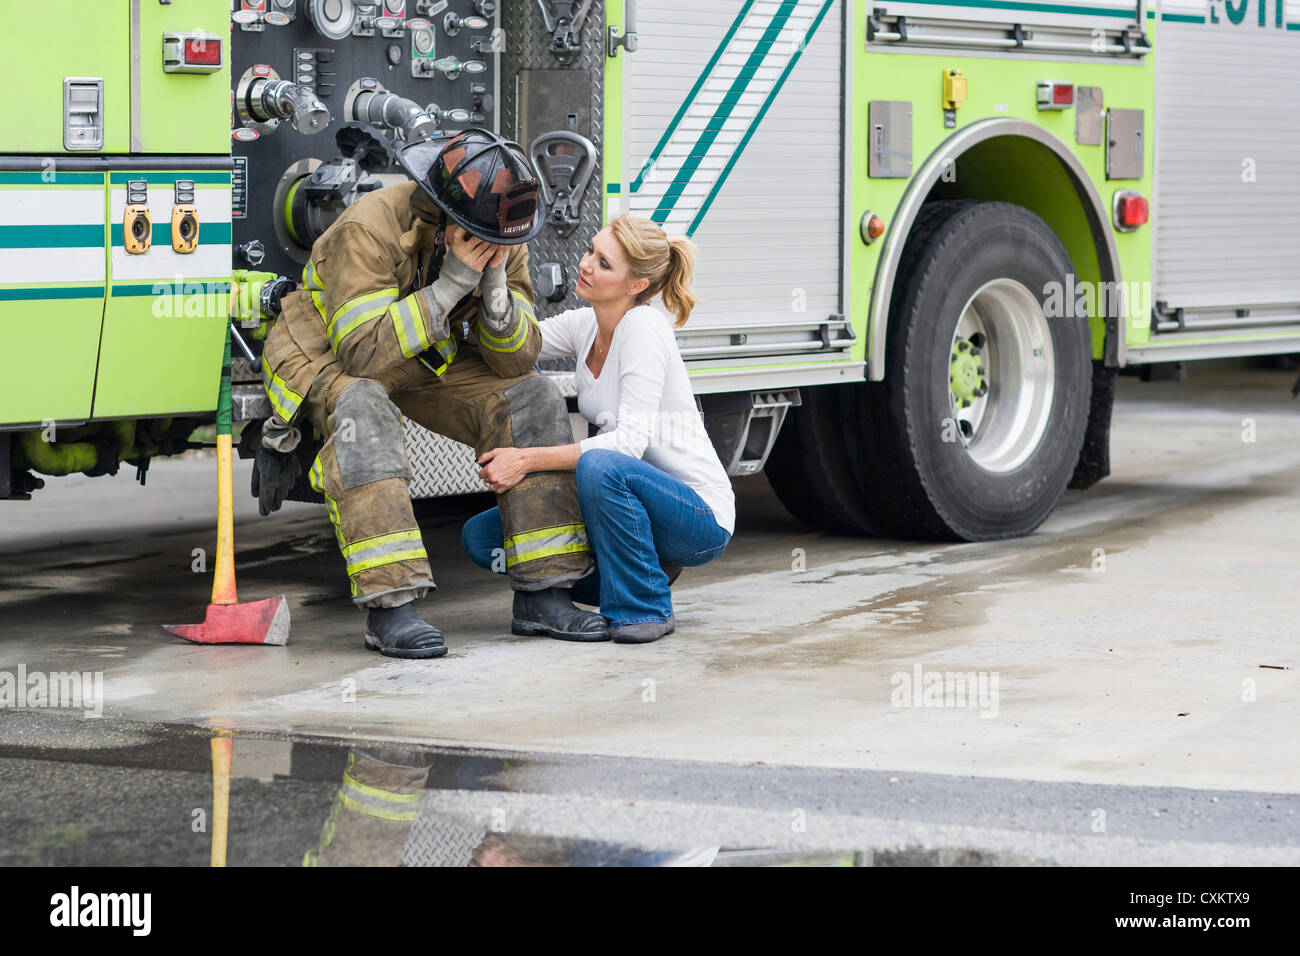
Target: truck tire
<point x="978" y="426"/>
<point x="810" y="470"/>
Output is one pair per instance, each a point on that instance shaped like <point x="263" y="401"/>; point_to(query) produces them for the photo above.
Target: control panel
<point x="322" y="90"/>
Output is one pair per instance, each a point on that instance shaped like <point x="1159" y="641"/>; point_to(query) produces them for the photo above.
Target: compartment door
<point x="52" y="278"/>
<point x="165" y="322"/>
<point x="1227" y="155"/>
<point x="733" y="120"/>
<point x="44" y="45"/>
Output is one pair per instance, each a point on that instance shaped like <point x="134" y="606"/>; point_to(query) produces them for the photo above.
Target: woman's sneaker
<point x="643" y="633"/>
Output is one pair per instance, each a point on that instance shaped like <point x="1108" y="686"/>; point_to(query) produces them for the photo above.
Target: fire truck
<point x="931" y="232"/>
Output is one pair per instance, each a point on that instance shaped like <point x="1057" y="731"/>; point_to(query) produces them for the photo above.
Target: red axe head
<point x="252" y="622"/>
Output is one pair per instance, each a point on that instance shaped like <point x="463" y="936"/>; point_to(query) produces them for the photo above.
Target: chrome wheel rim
<point x="1002" y="375"/>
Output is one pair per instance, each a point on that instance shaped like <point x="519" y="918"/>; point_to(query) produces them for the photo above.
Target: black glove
<point x="274" y="475"/>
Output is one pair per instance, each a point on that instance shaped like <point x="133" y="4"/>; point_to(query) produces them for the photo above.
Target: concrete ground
<point x="1144" y="637"/>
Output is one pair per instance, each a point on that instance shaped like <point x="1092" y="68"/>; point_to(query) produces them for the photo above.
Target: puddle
<point x="100" y="793"/>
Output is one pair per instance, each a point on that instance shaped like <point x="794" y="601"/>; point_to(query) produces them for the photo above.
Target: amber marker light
<point x="872" y="227"/>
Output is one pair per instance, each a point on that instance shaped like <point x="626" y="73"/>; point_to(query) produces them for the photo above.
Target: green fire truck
<point x="931" y="232"/>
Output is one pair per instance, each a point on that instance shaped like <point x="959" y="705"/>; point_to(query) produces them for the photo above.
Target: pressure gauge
<point x="333" y="19"/>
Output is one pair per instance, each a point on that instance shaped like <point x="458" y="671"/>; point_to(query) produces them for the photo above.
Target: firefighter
<point x="373" y="811"/>
<point x="417" y="301"/>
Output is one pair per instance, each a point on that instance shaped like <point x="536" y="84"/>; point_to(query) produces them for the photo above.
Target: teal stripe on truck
<point x="50" y="236"/>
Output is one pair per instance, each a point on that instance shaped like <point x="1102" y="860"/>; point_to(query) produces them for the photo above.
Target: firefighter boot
<point x="401" y="632"/>
<point x="551" y="612"/>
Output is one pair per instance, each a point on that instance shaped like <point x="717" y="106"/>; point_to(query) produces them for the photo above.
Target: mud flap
<point x="1094" y="458"/>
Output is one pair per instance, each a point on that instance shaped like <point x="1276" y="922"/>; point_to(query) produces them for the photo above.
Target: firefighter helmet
<point x="482" y="181"/>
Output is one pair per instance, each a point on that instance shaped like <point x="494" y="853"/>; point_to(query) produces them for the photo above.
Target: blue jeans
<point x="636" y="517"/>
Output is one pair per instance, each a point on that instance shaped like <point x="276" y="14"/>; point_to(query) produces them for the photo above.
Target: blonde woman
<point x="652" y="490"/>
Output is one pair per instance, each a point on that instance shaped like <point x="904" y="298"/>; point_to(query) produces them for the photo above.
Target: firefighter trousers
<point x="374" y="810"/>
<point x="364" y="475"/>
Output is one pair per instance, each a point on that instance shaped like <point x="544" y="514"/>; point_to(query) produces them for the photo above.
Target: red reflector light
<point x="202" y="52"/>
<point x="1063" y="94"/>
<point x="1133" y="211"/>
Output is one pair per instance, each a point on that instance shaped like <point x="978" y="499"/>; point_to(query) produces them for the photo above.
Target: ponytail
<point x="676" y="290"/>
<point x="668" y="262"/>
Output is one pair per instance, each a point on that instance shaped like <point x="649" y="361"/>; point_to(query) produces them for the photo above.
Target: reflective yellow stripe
<point x="545" y="543"/>
<point x="310" y="280"/>
<point x="526" y="536"/>
<point x="312" y="856"/>
<point x="446" y="350"/>
<point x="408" y="323"/>
<point x="318" y="300"/>
<point x="511" y="344"/>
<point x="437" y="370"/>
<point x="284" y="400"/>
<point x="385" y="795"/>
<point x="415" y="554"/>
<point x="316" y="478"/>
<point x="370" y="810"/>
<point x="367" y="543"/>
<point x="574" y="547"/>
<point x="358" y="311"/>
<point x="383" y="549"/>
<point x="524" y="305"/>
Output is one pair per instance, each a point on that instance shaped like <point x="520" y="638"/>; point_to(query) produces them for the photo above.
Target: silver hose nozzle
<point x="280" y="99"/>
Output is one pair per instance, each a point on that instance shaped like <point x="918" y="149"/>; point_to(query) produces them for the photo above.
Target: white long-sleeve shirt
<point x="642" y="402"/>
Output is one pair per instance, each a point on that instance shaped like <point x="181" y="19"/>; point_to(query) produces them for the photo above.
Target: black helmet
<point x="481" y="181"/>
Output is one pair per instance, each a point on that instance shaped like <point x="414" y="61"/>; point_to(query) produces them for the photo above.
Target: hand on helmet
<point x="478" y="254"/>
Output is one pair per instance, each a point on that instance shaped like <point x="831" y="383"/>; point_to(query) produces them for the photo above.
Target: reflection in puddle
<point x="380" y="817"/>
<point x="116" y="793"/>
<point x="180" y="796"/>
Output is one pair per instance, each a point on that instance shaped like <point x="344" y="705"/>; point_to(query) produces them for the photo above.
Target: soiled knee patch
<point x="368" y="437"/>
<point x="538" y="415"/>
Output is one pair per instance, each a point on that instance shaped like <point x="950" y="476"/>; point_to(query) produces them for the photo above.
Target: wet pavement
<point x="118" y="793"/>
<point x="1131" y="693"/>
